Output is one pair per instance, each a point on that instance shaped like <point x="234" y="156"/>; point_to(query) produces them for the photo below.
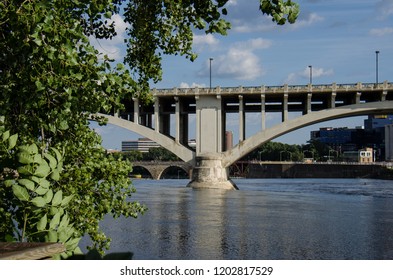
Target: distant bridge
<point x="156" y="169"/>
<point x="210" y="160"/>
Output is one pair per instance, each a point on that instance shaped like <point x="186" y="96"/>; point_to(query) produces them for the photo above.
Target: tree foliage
<point x="159" y="27"/>
<point x="52" y="81"/>
<point x="276" y="151"/>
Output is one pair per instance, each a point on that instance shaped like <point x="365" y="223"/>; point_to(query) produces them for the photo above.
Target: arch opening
<point x="140" y="172"/>
<point x="174" y="172"/>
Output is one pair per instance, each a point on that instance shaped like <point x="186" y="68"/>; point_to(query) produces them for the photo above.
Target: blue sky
<point x="337" y="37"/>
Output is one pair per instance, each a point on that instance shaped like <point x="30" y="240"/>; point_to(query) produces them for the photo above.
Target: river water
<point x="265" y="219"/>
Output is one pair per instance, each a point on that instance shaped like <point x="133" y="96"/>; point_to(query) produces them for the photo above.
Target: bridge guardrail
<point x="274" y="89"/>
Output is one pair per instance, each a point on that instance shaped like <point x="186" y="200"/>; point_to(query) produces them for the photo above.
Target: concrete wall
<point x="294" y="170"/>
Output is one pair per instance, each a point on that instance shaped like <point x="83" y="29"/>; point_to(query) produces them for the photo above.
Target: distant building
<point x="389" y="142"/>
<point x="228" y="140"/>
<point x="373" y="134"/>
<point x="377" y="121"/>
<point x="142" y="144"/>
<point x="362" y="156"/>
<point x="339" y="139"/>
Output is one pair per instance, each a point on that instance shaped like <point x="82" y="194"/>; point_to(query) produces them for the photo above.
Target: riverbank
<point x="318" y="170"/>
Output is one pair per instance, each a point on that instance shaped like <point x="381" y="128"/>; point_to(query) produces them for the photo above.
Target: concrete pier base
<point x="210" y="174"/>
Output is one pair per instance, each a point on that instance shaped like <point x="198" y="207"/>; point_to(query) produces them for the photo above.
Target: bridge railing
<point x="273" y="89"/>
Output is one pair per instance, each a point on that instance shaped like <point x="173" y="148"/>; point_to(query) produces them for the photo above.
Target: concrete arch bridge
<point x="158" y="169"/>
<point x="210" y="158"/>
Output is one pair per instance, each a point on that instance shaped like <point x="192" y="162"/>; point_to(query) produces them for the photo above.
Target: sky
<point x="338" y="38"/>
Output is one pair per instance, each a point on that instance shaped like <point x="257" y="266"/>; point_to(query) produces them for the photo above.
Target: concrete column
<point x="333" y="95"/>
<point x="157" y="115"/>
<point x="263" y="111"/>
<point x="209" y="124"/>
<point x="136" y="110"/>
<point x="285" y="107"/>
<point x="307" y="107"/>
<point x="165" y="124"/>
<point x="357" y="97"/>
<point x="383" y="95"/>
<point x="332" y="103"/>
<point x="209" y="173"/>
<point x="181" y="123"/>
<point x="177" y="119"/>
<point x="197" y="126"/>
<point x="242" y="120"/>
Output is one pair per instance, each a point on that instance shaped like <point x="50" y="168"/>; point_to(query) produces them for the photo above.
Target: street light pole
<point x="310" y="66"/>
<point x="376" y="67"/>
<point x="210" y="60"/>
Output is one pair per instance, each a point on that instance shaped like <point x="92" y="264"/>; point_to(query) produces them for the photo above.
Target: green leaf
<point x="52" y="236"/>
<point x="59" y="157"/>
<point x="64" y="221"/>
<point x="63" y="125"/>
<point x="25" y="158"/>
<point x="6" y="135"/>
<point x="55" y="221"/>
<point x="41" y="191"/>
<point x="38" y="159"/>
<point x="78" y="76"/>
<point x="66" y="200"/>
<point x="72" y="243"/>
<point x="12" y="141"/>
<point x="55" y="175"/>
<point x="44" y="183"/>
<point x="26" y="170"/>
<point x="48" y="196"/>
<point x="39" y="85"/>
<point x="41" y="225"/>
<point x="20" y="192"/>
<point x="27" y="183"/>
<point x="33" y="149"/>
<point x="57" y="199"/>
<point x="39" y="201"/>
<point x="42" y="170"/>
<point x="9" y="183"/>
<point x="54" y="210"/>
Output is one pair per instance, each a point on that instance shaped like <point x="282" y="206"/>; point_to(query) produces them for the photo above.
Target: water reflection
<point x="265" y="219"/>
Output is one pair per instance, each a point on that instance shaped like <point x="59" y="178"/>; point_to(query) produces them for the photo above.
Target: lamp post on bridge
<point x="210" y="61"/>
<point x="376" y="66"/>
<point x="310" y="66"/>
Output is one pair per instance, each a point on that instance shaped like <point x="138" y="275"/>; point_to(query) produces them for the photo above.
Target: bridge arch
<point x="175" y="171"/>
<point x="139" y="171"/>
<point x="169" y="143"/>
<point x="249" y="144"/>
<point x="158" y="168"/>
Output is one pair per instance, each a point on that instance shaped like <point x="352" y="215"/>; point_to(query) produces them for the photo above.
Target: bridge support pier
<point x="209" y="173"/>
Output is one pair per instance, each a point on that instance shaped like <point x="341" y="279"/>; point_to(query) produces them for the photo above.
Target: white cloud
<point x="385" y="8"/>
<point x="305" y="74"/>
<point x="231" y="3"/>
<point x="202" y="41"/>
<point x="381" y="31"/>
<point x="308" y="20"/>
<point x="253" y="44"/>
<point x="240" y="61"/>
<point x="113" y="47"/>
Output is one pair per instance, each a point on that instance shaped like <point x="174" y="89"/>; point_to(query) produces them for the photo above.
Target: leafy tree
<point x="160" y="154"/>
<point x="317" y="149"/>
<point x="52" y="81"/>
<point x="276" y="151"/>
